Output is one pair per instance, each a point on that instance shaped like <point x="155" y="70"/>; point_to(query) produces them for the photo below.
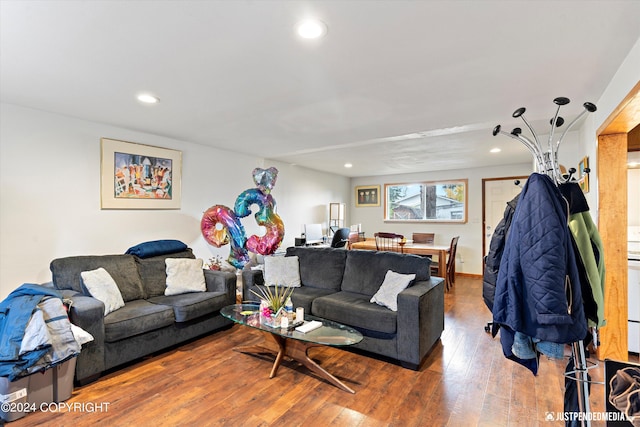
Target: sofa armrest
<point x="251" y="278"/>
<point x="420" y="319"/>
<point x="88" y="313"/>
<point x="221" y="281"/>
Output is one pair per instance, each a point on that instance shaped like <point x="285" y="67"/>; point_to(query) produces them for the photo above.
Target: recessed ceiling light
<point x="311" y="29"/>
<point x="148" y="99"/>
<point x="348" y="165"/>
<point x="495" y="150"/>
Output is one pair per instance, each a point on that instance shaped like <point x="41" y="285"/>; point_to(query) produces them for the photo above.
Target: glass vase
<point x="273" y="321"/>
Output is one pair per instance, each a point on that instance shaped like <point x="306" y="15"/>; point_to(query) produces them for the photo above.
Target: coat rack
<point x="547" y="163"/>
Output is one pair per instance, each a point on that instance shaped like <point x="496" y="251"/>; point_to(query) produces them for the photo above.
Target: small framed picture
<point x="584" y="183"/>
<point x="583" y="166"/>
<point x="367" y="195"/>
<point x="583" y="171"/>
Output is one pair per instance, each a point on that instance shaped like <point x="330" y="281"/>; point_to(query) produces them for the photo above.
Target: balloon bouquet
<point x="221" y="225"/>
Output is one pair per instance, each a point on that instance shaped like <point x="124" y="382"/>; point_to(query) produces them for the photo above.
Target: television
<point x="313" y="234"/>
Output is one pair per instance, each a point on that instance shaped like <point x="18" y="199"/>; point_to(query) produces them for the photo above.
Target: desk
<point x="413" y="248"/>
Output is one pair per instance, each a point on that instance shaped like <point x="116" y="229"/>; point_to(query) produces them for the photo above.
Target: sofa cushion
<point x="320" y="267"/>
<point x="365" y="270"/>
<point x="184" y="275"/>
<point x="136" y="317"/>
<point x="123" y="269"/>
<point x="356" y="311"/>
<point x="102" y="287"/>
<point x="192" y="305"/>
<point x="282" y="271"/>
<point x="304" y="296"/>
<point x="153" y="272"/>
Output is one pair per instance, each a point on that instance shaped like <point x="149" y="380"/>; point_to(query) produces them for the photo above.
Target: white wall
<point x="469" y="259"/>
<point x="50" y="194"/>
<point x="627" y="76"/>
<point x="306" y="194"/>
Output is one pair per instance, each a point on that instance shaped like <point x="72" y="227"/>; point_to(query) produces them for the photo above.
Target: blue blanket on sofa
<point x="156" y="247"/>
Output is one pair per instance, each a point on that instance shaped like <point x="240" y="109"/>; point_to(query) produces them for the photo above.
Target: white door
<point x="497" y="192"/>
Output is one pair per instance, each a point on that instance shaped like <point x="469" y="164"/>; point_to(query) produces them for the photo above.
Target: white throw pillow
<point x="393" y="284"/>
<point x="282" y="271"/>
<point x="184" y="275"/>
<point x="101" y="286"/>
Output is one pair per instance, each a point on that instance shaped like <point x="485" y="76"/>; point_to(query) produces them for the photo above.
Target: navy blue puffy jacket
<point x="538" y="289"/>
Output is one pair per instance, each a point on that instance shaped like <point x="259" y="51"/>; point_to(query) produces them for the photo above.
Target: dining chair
<point x="450" y="273"/>
<point x="354" y="237"/>
<point x="427" y="238"/>
<point x="424" y="238"/>
<point x="389" y="242"/>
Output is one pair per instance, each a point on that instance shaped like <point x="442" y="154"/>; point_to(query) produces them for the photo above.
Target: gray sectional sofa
<point x="149" y="320"/>
<point x="338" y="284"/>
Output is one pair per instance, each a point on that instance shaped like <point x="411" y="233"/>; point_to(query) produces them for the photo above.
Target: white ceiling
<point x="394" y="87"/>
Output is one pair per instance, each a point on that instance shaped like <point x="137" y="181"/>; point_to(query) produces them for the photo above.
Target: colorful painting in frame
<point x="138" y="176"/>
<point x="367" y="195"/>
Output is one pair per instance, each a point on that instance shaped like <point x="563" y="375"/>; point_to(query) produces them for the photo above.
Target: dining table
<point x="412" y="248"/>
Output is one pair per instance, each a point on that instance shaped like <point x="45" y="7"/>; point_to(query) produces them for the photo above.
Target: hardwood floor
<point x="465" y="381"/>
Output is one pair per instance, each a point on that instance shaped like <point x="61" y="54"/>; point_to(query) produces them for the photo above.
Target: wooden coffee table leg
<point x="296" y="350"/>
<point x="282" y="350"/>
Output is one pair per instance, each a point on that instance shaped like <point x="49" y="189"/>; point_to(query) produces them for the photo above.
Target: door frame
<point x="613" y="142"/>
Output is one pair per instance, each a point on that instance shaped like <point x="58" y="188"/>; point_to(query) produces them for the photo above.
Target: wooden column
<point x="612" y="225"/>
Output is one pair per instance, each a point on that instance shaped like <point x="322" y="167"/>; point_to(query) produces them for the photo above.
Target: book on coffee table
<point x="309" y="326"/>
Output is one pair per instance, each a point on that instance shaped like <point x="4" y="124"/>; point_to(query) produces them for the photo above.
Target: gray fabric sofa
<point x="338" y="284"/>
<point x="149" y="321"/>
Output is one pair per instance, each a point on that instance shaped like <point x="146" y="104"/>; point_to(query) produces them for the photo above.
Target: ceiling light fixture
<point x="348" y="165"/>
<point x="311" y="29"/>
<point x="148" y="99"/>
<point x="495" y="150"/>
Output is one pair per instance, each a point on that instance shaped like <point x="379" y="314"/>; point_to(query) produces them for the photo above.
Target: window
<point x="441" y="201"/>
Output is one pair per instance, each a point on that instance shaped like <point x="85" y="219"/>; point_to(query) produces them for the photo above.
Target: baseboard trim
<point x="473" y="276"/>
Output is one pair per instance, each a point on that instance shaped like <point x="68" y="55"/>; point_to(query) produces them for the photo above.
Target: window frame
<point x="458" y="182"/>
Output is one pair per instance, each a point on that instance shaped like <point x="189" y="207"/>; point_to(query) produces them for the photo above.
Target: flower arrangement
<point x="214" y="263"/>
<point x="274" y="300"/>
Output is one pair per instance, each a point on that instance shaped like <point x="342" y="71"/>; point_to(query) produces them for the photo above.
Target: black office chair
<point x="340" y="238"/>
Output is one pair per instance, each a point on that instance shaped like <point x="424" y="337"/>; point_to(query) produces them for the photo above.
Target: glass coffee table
<point x="291" y="343"/>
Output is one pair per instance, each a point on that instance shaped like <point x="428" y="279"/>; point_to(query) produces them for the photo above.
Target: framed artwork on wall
<point x="138" y="176"/>
<point x="583" y="170"/>
<point x="367" y="195"/>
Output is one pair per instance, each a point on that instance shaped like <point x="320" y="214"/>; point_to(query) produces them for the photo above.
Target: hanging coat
<point x="589" y="248"/>
<point x="496" y="248"/>
<point x="538" y="291"/>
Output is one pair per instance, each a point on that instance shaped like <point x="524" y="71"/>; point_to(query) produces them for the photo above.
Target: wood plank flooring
<point x="465" y="381"/>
